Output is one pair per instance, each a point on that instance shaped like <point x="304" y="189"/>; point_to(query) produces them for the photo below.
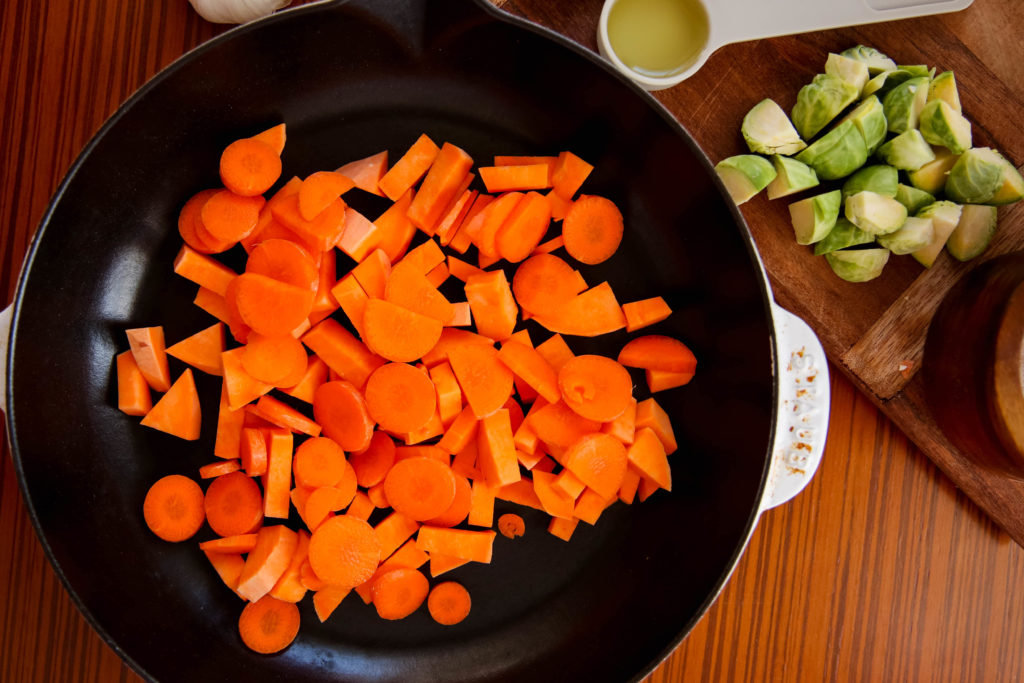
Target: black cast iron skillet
<point x="350" y="79"/>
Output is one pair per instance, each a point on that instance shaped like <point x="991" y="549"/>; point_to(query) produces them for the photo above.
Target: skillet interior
<point x="351" y="79"/>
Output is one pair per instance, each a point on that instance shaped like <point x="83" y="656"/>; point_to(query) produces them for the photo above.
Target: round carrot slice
<point x="274" y="360"/>
<point x="592" y="229"/>
<point x="285" y="261"/>
<point x="511" y="526"/>
<point x="595" y="387"/>
<point x="339" y="408"/>
<point x="249" y="167"/>
<point x="344" y="551"/>
<point x="372" y="464"/>
<point x="459" y="509"/>
<point x="229" y="216"/>
<point x="399" y="592"/>
<point x="233" y="505"/>
<point x="449" y="603"/>
<point x="268" y="625"/>
<point x="318" y="461"/>
<point x="420" y="488"/>
<point x="398" y="334"/>
<point x="400" y="398"/>
<point x="173" y="508"/>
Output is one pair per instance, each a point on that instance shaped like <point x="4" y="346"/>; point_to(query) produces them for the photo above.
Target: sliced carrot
<point x="361" y="507"/>
<point x="342" y="352"/>
<point x="366" y="173"/>
<point x="568" y="484"/>
<point x="544" y="464"/>
<point x="592" y="229"/>
<point x="647" y="456"/>
<point x="324" y="303"/>
<point x="212" y="303"/>
<point x="219" y="469"/>
<point x="497" y="451"/>
<point x="646" y="488"/>
<point x="408" y="170"/>
<point x="267" y="226"/>
<point x="438" y="275"/>
<point x="396" y="230"/>
<point x="623" y="427"/>
<point x="319" y="189"/>
<point x="658" y="352"/>
<point x="376" y="495"/>
<point x="455" y="215"/>
<point x="449" y="395"/>
<point x="191" y="229"/>
<point x="660" y="380"/>
<point x="568" y="175"/>
<point x="360" y="236"/>
<point x="267" y="561"/>
<point x="425" y="257"/>
<point x="300" y="498"/>
<point x="591" y="504"/>
<point x="486" y="382"/>
<point x="322" y="501"/>
<point x="352" y="298"/>
<point x="449" y="339"/>
<point x="327" y="599"/>
<point x="562" y="528"/>
<point x="233" y="505"/>
<point x="203" y="270"/>
<point x="559" y="208"/>
<point x="462" y="270"/>
<point x="432" y="428"/>
<point x="372" y="464"/>
<point x="249" y="167"/>
<point x="645" y="312"/>
<point x="241" y="387"/>
<point x="555" y="502"/>
<point x="483" y="228"/>
<point x="460" y="432"/>
<point x="344" y="551"/>
<point x="549" y="246"/>
<point x="274" y="136"/>
<point x="254" y="451"/>
<point x="511" y="525"/>
<point x="177" y="412"/>
<point x="521" y="493"/>
<point x="318" y="462"/>
<point x="526" y="441"/>
<point x="531" y="367"/>
<point x="406" y="557"/>
<point x="348" y="485"/>
<point x="596" y="387"/>
<point x="590" y="314"/>
<point x="524" y="228"/>
<point x="289" y="587"/>
<point x="519" y="177"/>
<point x="463" y="314"/>
<point x="459" y="508"/>
<point x="481" y="504"/>
<point x="410" y="289"/>
<point x="494" y="308"/>
<point x="555" y="351"/>
<point x="341" y="410"/>
<point x="279" y="473"/>
<point x="271" y="307"/>
<point x="442" y="183"/>
<point x="545" y="285"/>
<point x="309" y="579"/>
<point x="229" y="217"/>
<point x="319" y="234"/>
<point x="558" y="424"/>
<point x="133" y="397"/>
<point x="242" y="543"/>
<point x="240" y="331"/>
<point x="282" y="415"/>
<point x="464" y="462"/>
<point x="173" y="508"/>
<point x="448" y="603"/>
<point x="475" y="546"/>
<point x="422" y="451"/>
<point x="463" y="237"/>
<point x="399" y="592"/>
<point x="600" y="461"/>
<point x="439" y="564"/>
<point x="393" y="531"/>
<point x="285" y="261"/>
<point x="398" y="334"/>
<point x="400" y="397"/>
<point x="373" y="272"/>
<point x="276" y="360"/>
<point x="420" y="488"/>
<point x="268" y="625"/>
<point x="227" y="565"/>
<point x="147" y="347"/>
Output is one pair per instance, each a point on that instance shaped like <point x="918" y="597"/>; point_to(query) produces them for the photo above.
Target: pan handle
<point x="802" y="410"/>
<point x="5" y="338"/>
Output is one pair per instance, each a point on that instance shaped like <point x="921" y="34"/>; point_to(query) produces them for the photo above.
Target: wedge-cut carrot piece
<point x="462" y="316"/>
<point x="133" y="397"/>
<point x="462" y="270"/>
<point x="372" y="273"/>
<point x="322" y="502"/>
<point x="562" y="528"/>
<point x="241" y="387"/>
<point x="202" y="350"/>
<point x="475" y="546"/>
<point x="623" y="427"/>
<point x="238" y="544"/>
<point x="285" y="261"/>
<point x="279" y="473"/>
<point x="253" y="451"/>
<point x="512" y="178"/>
<point x="524" y="228"/>
<point x="360" y="237"/>
<point x="322" y="232"/>
<point x="568" y="175"/>
<point x="274" y="136"/>
<point x="349" y="538"/>
<point x="440" y="564"/>
<point x="289" y="587"/>
<point x="596" y="387"/>
<point x="555" y="351"/>
<point x="600" y="462"/>
<point x="568" y="484"/>
<point x="630" y="483"/>
<point x="410" y="289"/>
<point x="327" y="599"/>
<point x="233" y="505"/>
<point x="212" y="303"/>
<point x="481" y="504"/>
<point x="319" y="189"/>
<point x="486" y="382"/>
<point x="341" y="410"/>
<point x="462" y="238"/>
<point x="147" y="347"/>
<point x="318" y="462"/>
<point x="398" y="334"/>
<point x="591" y="504"/>
<point x="173" y="508"/>
<point x="483" y="228"/>
<point x="408" y="170"/>
<point x="366" y="173"/>
<point x="267" y="561"/>
<point x="545" y="285"/>
<point x="532" y="368"/>
<point x="177" y="412"/>
<point x="219" y="469"/>
<point x="449" y="395"/>
<point x="268" y="625"/>
<point x="393" y="531"/>
<point x="361" y="507"/>
<point x="342" y="352"/>
<point x="660" y="380"/>
<point x="494" y="308"/>
<point x="558" y="424"/>
<point x="229" y="428"/>
<point x="249" y="166"/>
<point x="455" y="215"/>
<point x="443" y="181"/>
<point x="647" y="456"/>
<point x="271" y="307"/>
<point x="497" y="451"/>
<point x="438" y="275"/>
<point x="284" y="416"/>
<point x="521" y="493"/>
<point x="555" y="503"/>
<point x="449" y="339"/>
<point x="315" y="375"/>
<point x="590" y="314"/>
<point x="645" y="312"/>
<point x="395" y="227"/>
<point x="203" y="270"/>
<point x="658" y="352"/>
<point x="352" y="299"/>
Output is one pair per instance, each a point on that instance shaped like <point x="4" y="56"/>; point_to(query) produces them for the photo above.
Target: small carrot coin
<point x="592" y="229"/>
<point x="173" y="508"/>
<point x="268" y="625"/>
<point x="449" y="603"/>
<point x="511" y="526"/>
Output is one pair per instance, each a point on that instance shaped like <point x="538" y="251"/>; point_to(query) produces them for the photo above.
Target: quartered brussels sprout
<point x="875" y="60"/>
<point x="850" y="70"/>
<point x="819" y="102"/>
<point x="869" y="117"/>
<point x="845" y="234"/>
<point x="943" y="87"/>
<point x="792" y="176"/>
<point x="858" y="265"/>
<point x="815" y="216"/>
<point x="973" y="232"/>
<point x="942" y="125"/>
<point x="916" y="233"/>
<point x="875" y="213"/>
<point x="836" y="154"/>
<point x="983" y="176"/>
<point x="913" y="198"/>
<point x="768" y="130"/>
<point x="931" y="177"/>
<point x="907" y="151"/>
<point x="903" y="104"/>
<point x="744" y="175"/>
<point x="945" y="215"/>
<point x="878" y="178"/>
<point x="917" y="70"/>
<point x="881" y="84"/>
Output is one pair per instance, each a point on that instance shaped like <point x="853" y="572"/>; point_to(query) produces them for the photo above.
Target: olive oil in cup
<point x="657" y="38"/>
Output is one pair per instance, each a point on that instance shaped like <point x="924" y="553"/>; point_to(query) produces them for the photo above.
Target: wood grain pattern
<point x="882" y="570"/>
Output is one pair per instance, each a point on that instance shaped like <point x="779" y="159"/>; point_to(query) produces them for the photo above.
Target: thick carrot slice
<point x="284" y="260"/>
<point x="519" y="177"/>
<point x="340" y="409"/>
<point x="408" y="170"/>
<point x="555" y="351"/>
<point x="366" y="173"/>
<point x="420" y="488"/>
<point x="592" y="229"/>
<point x="361" y="506"/>
<point x="327" y="599"/>
<point x="596" y="387"/>
<point x="590" y="314"/>
<point x="455" y="215"/>
<point x="562" y="528"/>
<point x="372" y="464"/>
<point x="275" y="136"/>
<point x="133" y="397"/>
<point x="475" y="546"/>
<point x="449" y="395"/>
<point x="399" y="592"/>
<point x="398" y="334"/>
<point x="524" y="228"/>
<point x="460" y="432"/>
<point x="645" y="312"/>
<point x="147" y="346"/>
<point x="497" y="451"/>
<point x="360" y="236"/>
<point x="481" y="504"/>
<point x="219" y="469"/>
<point x="483" y="228"/>
<point x="439" y="564"/>
<point x="177" y="412"/>
<point x="444" y="180"/>
<point x="233" y="505"/>
<point x="271" y="307"/>
<point x="319" y="189"/>
<point x="274" y="360"/>
<point x="342" y="352"/>
<point x="279" y="473"/>
<point x="658" y="352"/>
<point x="372" y="273"/>
<point x="568" y="175"/>
<point x="393" y="531"/>
<point x="289" y="587"/>
<point x="267" y="561"/>
<point x="318" y="462"/>
<point x="410" y="289"/>
<point x="203" y="270"/>
<point x="660" y="380"/>
<point x="623" y="427"/>
<point x="269" y="625"/>
<point x="486" y="382"/>
<point x="600" y="461"/>
<point x="531" y="367"/>
<point x="494" y="308"/>
<point x="202" y="350"/>
<point x="241" y="387"/>
<point x="448" y="603"/>
<point x="229" y="217"/>
<point x="249" y="167"/>
<point x="463" y="314"/>
<point x="459" y="509"/>
<point x="400" y="397"/>
<point x="558" y="424"/>
<point x="511" y="525"/>
<point x="173" y="508"/>
<point x="344" y="551"/>
<point x="254" y="451"/>
<point x="647" y="455"/>
<point x="242" y="543"/>
<point x="396" y="230"/>
<point x="545" y="284"/>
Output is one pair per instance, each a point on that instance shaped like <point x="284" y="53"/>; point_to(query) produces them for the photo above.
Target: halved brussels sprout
<point x="903" y="104"/>
<point x="945" y="215"/>
<point x="931" y="177"/>
<point x="744" y="175"/>
<point x="819" y="102"/>
<point x="878" y="178"/>
<point x="973" y="232"/>
<point x="850" y="70"/>
<point x="916" y="233"/>
<point x="875" y="60"/>
<point x="813" y="218"/>
<point x="942" y="125"/>
<point x="858" y="265"/>
<point x="844" y="234"/>
<point x="768" y="130"/>
<point x="943" y="87"/>
<point x="983" y="176"/>
<point x="869" y="117"/>
<point x="836" y="154"/>
<point x="792" y="176"/>
<point x="875" y="213"/>
<point x="913" y="198"/>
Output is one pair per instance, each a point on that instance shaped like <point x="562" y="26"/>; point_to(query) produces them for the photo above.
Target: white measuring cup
<point x="734" y="21"/>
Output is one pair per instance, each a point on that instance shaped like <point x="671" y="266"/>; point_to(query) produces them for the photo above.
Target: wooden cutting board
<point x="873" y="332"/>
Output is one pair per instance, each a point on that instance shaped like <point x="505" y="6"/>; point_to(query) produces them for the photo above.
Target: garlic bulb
<point x="236" y="11"/>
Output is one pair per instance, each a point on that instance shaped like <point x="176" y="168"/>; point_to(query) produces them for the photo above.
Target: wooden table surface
<point x="880" y="571"/>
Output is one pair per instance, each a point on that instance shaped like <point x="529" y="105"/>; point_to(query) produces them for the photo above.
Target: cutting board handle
<point x="802" y="409"/>
<point x="5" y="341"/>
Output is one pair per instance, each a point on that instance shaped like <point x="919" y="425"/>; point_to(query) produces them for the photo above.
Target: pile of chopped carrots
<point x="392" y="401"/>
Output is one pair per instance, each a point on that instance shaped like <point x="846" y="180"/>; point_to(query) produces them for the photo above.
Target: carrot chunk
<point x="475" y="546"/>
<point x="494" y="308"/>
<point x="658" y="352"/>
<point x="486" y="382"/>
<point x="590" y="314"/>
<point x="524" y="228"/>
<point x="279" y="473"/>
<point x="177" y="412"/>
<point x="568" y="175"/>
<point x="366" y="173"/>
<point x="442" y="183"/>
<point x="147" y="346"/>
<point x="647" y="455"/>
<point x="497" y="451"/>
<point x="646" y="312"/>
<point x="319" y="190"/>
<point x="399" y="593"/>
<point x="408" y="170"/>
<point x="133" y="397"/>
